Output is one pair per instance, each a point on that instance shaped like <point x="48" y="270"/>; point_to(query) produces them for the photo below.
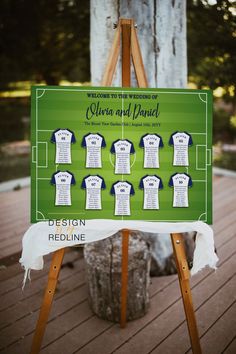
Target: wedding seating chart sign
<point x="121" y="153"/>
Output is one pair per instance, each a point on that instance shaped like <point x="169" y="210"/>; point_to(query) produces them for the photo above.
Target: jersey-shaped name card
<point x="63" y="139"/>
<point x="121" y="154"/>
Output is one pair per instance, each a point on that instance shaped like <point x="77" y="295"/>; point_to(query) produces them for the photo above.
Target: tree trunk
<point x="161" y="28"/>
<point x="103" y="269"/>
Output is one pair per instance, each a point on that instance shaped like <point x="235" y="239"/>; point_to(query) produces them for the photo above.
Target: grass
<point x="15" y="126"/>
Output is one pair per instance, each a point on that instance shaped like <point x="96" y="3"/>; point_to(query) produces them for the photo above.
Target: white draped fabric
<point x="39" y="239"/>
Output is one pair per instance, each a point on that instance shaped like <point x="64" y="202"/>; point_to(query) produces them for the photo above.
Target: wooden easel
<point x="126" y="40"/>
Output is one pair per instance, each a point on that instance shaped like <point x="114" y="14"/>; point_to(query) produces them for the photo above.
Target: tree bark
<point x="161" y="29"/>
<point x="103" y="269"/>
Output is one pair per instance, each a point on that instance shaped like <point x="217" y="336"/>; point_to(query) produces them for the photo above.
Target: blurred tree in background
<point x="49" y="41"/>
<point x="44" y="40"/>
<point x="211" y="38"/>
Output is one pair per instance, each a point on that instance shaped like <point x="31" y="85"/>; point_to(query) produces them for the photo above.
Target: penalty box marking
<point x="34" y="154"/>
<point x="199" y="168"/>
<point x="46" y="154"/>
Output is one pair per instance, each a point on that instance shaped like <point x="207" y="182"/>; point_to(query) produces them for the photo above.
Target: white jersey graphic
<point x="151" y="186"/>
<point x="63" y="181"/>
<point x="63" y="139"/>
<point x="151" y="144"/>
<point x="93" y="143"/>
<point x="181" y="182"/>
<point x="122" y="149"/>
<point x="181" y="142"/>
<point x="93" y="186"/>
<point x="122" y="192"/>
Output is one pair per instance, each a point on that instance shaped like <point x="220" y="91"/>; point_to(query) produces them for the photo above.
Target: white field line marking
<point x="197" y="133"/>
<point x="200" y="94"/>
<point x="110" y="157"/>
<point x="39" y="212"/>
<point x="122" y="134"/>
<point x="137" y="92"/>
<point x="43" y="166"/>
<point x="36" y="169"/>
<point x="37" y="91"/>
<point x="208" y="155"/>
<point x="33" y="154"/>
<point x="201" y="217"/>
<point x="66" y="213"/>
<point x="206" y="201"/>
<point x="197" y="168"/>
<point x="159" y="220"/>
<point x="133" y="160"/>
<point x="131" y="91"/>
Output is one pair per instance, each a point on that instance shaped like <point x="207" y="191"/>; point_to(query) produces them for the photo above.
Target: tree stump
<point x="103" y="269"/>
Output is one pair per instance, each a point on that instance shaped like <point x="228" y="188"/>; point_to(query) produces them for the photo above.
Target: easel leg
<point x="124" y="276"/>
<point x="47" y="300"/>
<point x="184" y="275"/>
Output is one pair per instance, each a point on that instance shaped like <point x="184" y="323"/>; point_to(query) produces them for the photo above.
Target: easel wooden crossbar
<point x="125" y="39"/>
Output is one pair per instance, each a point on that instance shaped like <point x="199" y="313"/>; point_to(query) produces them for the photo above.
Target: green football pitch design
<point x="138" y="112"/>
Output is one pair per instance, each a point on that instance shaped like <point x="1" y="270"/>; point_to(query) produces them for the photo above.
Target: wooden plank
<point x="221" y="333"/>
<point x="224" y="233"/>
<point x="184" y="276"/>
<point x="7" y="243"/>
<point x="126" y="52"/>
<point x="15" y="269"/>
<point x="227" y="232"/>
<point x="10" y="196"/>
<point x="13" y="233"/>
<point x="112" y="59"/>
<point x="25" y="307"/>
<point x="26" y="324"/>
<point x="11" y="249"/>
<point x="217" y="195"/>
<point x="8" y="260"/>
<point x="124" y="276"/>
<point x="70" y="343"/>
<point x="207" y="313"/>
<point x="231" y="347"/>
<point x="19" y="214"/>
<point x="66" y="315"/>
<point x="53" y="276"/>
<point x="153" y="334"/>
<point x="137" y="60"/>
<point x="218" y="184"/>
<point x="163" y="302"/>
<point x="56" y="311"/>
<point x="226" y="205"/>
<point x="12" y="283"/>
<point x="221" y="224"/>
<point x="64" y="339"/>
<point x="9" y="299"/>
<point x="15" y="221"/>
<point x="220" y="254"/>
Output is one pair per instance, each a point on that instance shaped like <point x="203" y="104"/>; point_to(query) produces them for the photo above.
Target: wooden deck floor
<point x="72" y="327"/>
